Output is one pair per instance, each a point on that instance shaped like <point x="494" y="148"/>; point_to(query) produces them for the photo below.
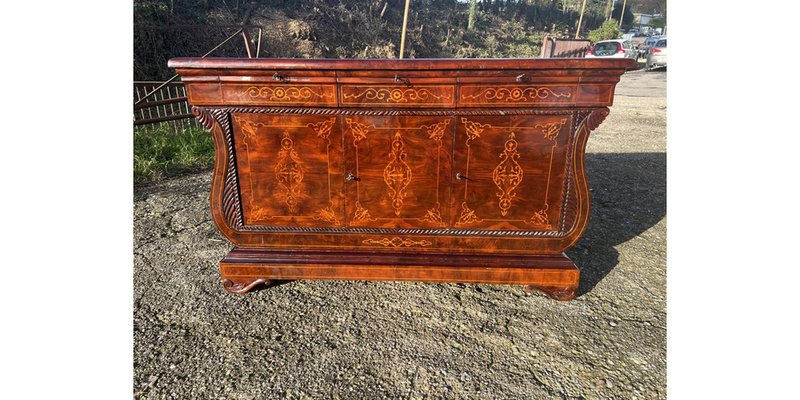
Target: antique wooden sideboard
<point x="448" y="170"/>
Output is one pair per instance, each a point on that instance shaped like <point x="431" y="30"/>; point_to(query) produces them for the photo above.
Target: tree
<point x="609" y="30"/>
<point x="473" y="5"/>
<point x="627" y="21"/>
<point x="650" y="6"/>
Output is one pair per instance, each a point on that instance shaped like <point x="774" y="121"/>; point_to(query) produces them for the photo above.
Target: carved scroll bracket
<point x="203" y="117"/>
<point x="595" y="118"/>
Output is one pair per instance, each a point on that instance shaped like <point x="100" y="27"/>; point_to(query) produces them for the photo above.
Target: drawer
<point x="516" y="88"/>
<point x="264" y="88"/>
<point x="398" y="96"/>
<point x="516" y="95"/>
<point x="523" y="88"/>
<point x="397" y="89"/>
<point x="269" y="94"/>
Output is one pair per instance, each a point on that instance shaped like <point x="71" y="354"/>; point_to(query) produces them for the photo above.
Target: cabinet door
<point x="400" y="170"/>
<point x="510" y="172"/>
<point x="289" y="169"/>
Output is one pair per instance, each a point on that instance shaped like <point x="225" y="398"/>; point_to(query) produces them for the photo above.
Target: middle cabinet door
<point x="397" y="170"/>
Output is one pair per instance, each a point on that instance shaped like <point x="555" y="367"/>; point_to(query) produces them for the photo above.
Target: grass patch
<point x="160" y="152"/>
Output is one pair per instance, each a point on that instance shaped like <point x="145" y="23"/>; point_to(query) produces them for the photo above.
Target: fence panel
<point x="564" y="48"/>
<point x="166" y="106"/>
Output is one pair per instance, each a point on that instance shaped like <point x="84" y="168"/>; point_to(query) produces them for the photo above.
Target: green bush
<point x="609" y="30"/>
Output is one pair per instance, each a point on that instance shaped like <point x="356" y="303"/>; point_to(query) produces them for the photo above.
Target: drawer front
<point x="516" y="95"/>
<point x="279" y="94"/>
<point x="369" y="95"/>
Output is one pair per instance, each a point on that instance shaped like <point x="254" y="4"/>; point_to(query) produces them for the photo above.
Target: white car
<point x="617" y="48"/>
<point x="657" y="55"/>
<point x="645" y="47"/>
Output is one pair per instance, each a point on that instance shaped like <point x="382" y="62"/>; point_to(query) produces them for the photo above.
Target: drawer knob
<point x="277" y="77"/>
<point x="350" y="177"/>
<point x="460" y="176"/>
<point x="399" y="79"/>
<point x="520" y="77"/>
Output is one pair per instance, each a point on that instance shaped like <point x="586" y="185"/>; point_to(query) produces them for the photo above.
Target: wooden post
<point x="247" y="43"/>
<point x="580" y="20"/>
<point x="622" y="13"/>
<point x="403" y="37"/>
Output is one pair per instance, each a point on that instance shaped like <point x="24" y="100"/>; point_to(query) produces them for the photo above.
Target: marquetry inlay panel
<point x="398" y="95"/>
<point x="402" y="166"/>
<point x="516" y="95"/>
<point x="511" y="166"/>
<point x="290" y="170"/>
<point x="397" y="242"/>
<point x="271" y="94"/>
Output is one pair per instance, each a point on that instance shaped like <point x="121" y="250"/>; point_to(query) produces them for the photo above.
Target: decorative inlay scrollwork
<point x="434" y="216"/>
<point x="436" y="131"/>
<point x="323" y="129"/>
<point x="474" y="129"/>
<point x="507" y="175"/>
<point x="289" y="172"/>
<point x="395" y="95"/>
<point x="539" y="218"/>
<point x="397" y="173"/>
<point x="467" y="216"/>
<point x="518" y="94"/>
<point x="258" y="213"/>
<point x="551" y="130"/>
<point x="327" y="214"/>
<point x="397" y="242"/>
<point x="358" y="130"/>
<point x="281" y="93"/>
<point x="361" y="214"/>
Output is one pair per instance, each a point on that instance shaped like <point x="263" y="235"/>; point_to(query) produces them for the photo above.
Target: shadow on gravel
<point x="629" y="195"/>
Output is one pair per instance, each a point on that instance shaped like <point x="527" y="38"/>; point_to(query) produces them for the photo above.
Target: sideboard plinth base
<point x="554" y="274"/>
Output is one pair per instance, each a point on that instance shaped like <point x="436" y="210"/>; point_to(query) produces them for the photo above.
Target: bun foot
<point x="560" y="293"/>
<point x="242" y="285"/>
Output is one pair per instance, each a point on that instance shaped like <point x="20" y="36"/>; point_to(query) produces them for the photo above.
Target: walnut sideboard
<point x="447" y="170"/>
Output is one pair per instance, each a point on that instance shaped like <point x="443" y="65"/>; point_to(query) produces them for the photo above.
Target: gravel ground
<point x="376" y="340"/>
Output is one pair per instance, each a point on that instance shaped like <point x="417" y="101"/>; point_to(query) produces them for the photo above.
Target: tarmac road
<point x="376" y="340"/>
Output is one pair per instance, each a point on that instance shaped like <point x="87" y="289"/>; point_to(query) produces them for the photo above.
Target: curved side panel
<point x="225" y="208"/>
<point x="579" y="202"/>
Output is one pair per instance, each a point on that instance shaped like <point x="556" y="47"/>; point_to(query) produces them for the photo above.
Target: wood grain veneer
<point x="423" y="170"/>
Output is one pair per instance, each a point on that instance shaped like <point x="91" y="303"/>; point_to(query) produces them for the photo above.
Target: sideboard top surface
<point x="460" y="64"/>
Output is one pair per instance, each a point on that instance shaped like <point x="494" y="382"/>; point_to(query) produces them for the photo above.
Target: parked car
<point x="657" y="56"/>
<point x="645" y="47"/>
<point x="617" y="48"/>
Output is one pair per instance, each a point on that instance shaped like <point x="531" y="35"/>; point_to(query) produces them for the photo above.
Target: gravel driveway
<point x="375" y="340"/>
